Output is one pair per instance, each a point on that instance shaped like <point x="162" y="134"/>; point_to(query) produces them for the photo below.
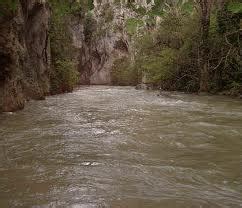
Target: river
<point x="118" y="147"/>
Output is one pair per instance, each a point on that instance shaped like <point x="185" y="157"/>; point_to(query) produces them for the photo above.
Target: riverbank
<point x="236" y="93"/>
<point x="158" y="92"/>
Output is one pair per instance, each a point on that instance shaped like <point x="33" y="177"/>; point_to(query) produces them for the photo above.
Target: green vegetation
<point x="8" y="6"/>
<point x="141" y="11"/>
<point x="66" y="7"/>
<point x="187" y="51"/>
<point x="187" y="45"/>
<point x="168" y="55"/>
<point x="235" y="7"/>
<point x="133" y="24"/>
<point x="64" y="75"/>
<point x="124" y="73"/>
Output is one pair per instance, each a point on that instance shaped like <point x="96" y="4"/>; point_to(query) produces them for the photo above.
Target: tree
<point x="205" y="11"/>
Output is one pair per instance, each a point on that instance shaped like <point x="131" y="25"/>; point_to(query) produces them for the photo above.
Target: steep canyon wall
<point x="101" y="38"/>
<point x="24" y="54"/>
<point x="29" y="68"/>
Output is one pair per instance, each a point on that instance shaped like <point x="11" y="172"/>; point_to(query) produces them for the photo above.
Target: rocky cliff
<point x="41" y="48"/>
<point x="101" y="38"/>
<point x="24" y="54"/>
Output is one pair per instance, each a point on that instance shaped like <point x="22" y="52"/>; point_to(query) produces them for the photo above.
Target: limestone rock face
<point x="24" y="54"/>
<point x="106" y="42"/>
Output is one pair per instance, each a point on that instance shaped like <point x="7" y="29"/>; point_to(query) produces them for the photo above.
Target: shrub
<point x="124" y="73"/>
<point x="168" y="55"/>
<point x="64" y="75"/>
<point x="132" y="24"/>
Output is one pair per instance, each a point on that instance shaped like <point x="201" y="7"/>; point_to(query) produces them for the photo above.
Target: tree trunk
<point x="205" y="6"/>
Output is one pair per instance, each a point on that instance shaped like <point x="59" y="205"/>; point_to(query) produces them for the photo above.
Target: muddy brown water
<point x="106" y="146"/>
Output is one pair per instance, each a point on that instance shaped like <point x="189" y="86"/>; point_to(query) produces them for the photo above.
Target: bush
<point x="132" y="25"/>
<point x="168" y="55"/>
<point x="124" y="73"/>
<point x="64" y="75"/>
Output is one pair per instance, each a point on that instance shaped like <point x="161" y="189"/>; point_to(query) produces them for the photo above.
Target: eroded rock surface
<point x="101" y="40"/>
<point x="24" y="54"/>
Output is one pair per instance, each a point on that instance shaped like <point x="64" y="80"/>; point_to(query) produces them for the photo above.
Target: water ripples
<point x="117" y="147"/>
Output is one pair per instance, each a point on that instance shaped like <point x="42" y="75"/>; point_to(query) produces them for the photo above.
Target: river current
<point x="118" y="147"/>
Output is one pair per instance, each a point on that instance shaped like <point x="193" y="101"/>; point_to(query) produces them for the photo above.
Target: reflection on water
<point x="118" y="147"/>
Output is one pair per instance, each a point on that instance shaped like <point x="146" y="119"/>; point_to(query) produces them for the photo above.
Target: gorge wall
<point x="35" y="62"/>
<point x="24" y="54"/>
<point x="100" y="38"/>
